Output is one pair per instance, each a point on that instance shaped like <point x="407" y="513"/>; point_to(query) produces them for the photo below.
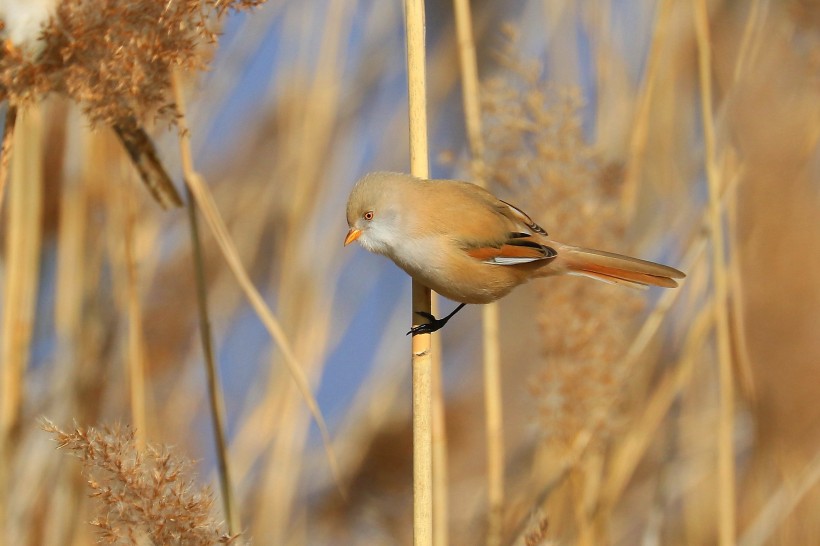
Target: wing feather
<point x="515" y="251"/>
<point x="523" y="217"/>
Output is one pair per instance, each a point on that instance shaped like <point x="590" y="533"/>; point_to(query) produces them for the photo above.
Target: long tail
<point x="617" y="268"/>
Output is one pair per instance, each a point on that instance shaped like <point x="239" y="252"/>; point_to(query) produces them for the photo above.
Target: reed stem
<point x="5" y="149"/>
<point x="21" y="273"/>
<point x="494" y="423"/>
<point x="205" y="201"/>
<point x="22" y="264"/>
<point x="215" y="397"/>
<point x="422" y="357"/>
<point x="639" y="139"/>
<point x="136" y="354"/>
<point x="726" y="462"/>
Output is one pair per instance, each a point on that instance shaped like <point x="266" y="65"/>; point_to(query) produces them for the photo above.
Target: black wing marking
<point x="513" y="252"/>
<point x="525" y="219"/>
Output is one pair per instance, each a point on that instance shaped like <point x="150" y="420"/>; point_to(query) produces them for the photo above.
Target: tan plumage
<point x="471" y="247"/>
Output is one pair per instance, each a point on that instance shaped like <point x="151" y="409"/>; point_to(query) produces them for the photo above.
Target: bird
<point x="471" y="247"/>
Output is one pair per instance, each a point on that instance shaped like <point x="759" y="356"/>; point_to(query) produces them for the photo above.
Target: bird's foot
<point x="433" y="324"/>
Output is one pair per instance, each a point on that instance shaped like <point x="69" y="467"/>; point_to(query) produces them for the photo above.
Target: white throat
<point x="381" y="238"/>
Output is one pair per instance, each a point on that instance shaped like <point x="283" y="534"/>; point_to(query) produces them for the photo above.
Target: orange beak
<point x="352" y="235"/>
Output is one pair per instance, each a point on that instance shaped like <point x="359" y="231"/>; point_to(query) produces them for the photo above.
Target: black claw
<point x="433" y="324"/>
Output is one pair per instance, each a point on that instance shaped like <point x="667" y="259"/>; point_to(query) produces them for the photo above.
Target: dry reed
<point x="591" y="121"/>
<point x="726" y="451"/>
<point x="490" y="313"/>
<point x="215" y="390"/>
<point x="144" y="494"/>
<point x="422" y="357"/>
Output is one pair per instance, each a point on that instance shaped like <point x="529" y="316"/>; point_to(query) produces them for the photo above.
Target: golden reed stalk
<point x="490" y="313"/>
<point x="421" y="351"/>
<point x="725" y="448"/>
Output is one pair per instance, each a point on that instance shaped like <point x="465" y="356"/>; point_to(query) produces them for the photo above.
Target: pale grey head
<point x="373" y="211"/>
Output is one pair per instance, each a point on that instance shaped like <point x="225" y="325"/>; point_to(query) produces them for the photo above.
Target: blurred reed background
<point x="622" y="424"/>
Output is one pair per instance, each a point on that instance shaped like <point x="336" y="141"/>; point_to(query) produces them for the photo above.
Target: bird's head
<point x="373" y="212"/>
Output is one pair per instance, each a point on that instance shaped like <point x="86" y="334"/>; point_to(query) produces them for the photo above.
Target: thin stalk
<point x="737" y="309"/>
<point x="470" y="95"/>
<point x="752" y="38"/>
<point x="639" y="139"/>
<point x="441" y="511"/>
<point x="422" y="428"/>
<point x="71" y="284"/>
<point x="726" y="462"/>
<point x="5" y="152"/>
<point x="22" y="265"/>
<point x="215" y="398"/>
<point x="22" y="262"/>
<point x="490" y="313"/>
<point x="5" y="149"/>
<point x="422" y="357"/>
<point x="494" y="423"/>
<point x="304" y="302"/>
<point x="205" y="201"/>
<point x="136" y="354"/>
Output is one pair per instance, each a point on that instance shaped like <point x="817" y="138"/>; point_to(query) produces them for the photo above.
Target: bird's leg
<point x="433" y="324"/>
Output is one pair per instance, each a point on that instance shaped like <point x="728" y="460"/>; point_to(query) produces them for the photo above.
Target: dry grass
<point x="610" y="397"/>
<point x="143" y="495"/>
<point x="114" y="58"/>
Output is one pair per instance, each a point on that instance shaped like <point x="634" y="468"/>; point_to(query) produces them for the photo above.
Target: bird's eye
<point x="368" y="215"/>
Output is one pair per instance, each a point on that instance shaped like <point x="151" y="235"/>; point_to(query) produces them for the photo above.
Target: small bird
<point x="471" y="247"/>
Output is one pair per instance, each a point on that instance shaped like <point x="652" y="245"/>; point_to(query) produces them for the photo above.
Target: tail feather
<point x="620" y="269"/>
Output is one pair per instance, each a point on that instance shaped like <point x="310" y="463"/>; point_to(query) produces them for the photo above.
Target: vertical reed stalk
<point x="71" y="236"/>
<point x="136" y="354"/>
<point x="70" y="302"/>
<point x="737" y="305"/>
<point x="22" y="263"/>
<point x="751" y="40"/>
<point x="5" y="149"/>
<point x="490" y="313"/>
<point x="726" y="462"/>
<point x="441" y="510"/>
<point x="639" y="139"/>
<point x="750" y="44"/>
<point x="421" y="351"/>
<point x="215" y="398"/>
<point x="470" y="95"/>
